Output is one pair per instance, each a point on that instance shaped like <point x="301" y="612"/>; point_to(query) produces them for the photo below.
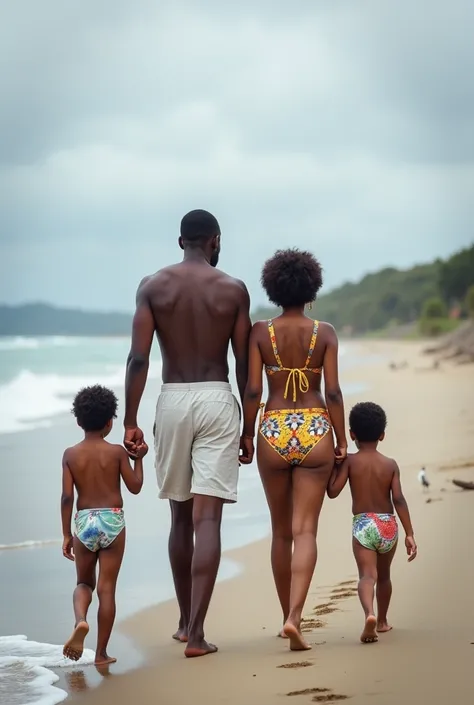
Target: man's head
<point x="95" y="408"/>
<point x="200" y="230"/>
<point x="367" y="422"/>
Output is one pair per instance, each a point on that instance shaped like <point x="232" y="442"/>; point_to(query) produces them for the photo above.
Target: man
<point x="195" y="310"/>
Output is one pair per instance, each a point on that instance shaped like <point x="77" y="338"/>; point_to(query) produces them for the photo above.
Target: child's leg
<point x="86" y="562"/>
<point x="367" y="564"/>
<point x="384" y="588"/>
<point x="110" y="560"/>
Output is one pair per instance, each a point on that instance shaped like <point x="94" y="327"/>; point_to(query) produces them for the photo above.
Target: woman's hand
<point x="340" y="452"/>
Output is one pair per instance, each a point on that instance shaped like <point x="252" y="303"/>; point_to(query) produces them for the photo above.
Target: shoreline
<point x="265" y="669"/>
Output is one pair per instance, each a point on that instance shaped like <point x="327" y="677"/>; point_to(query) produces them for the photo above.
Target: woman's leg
<point x="276" y="479"/>
<point x="309" y="487"/>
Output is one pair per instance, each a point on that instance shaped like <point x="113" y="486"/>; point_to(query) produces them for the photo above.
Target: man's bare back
<point x="195" y="309"/>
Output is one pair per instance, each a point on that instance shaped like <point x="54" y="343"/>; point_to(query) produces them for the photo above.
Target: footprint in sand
<point x="347" y="582"/>
<point x="344" y="595"/>
<point x="298" y="664"/>
<point x="308" y="691"/>
<point x="320" y="695"/>
<point x="307" y="625"/>
<point x="318" y="611"/>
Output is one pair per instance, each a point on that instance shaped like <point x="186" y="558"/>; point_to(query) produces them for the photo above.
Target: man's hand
<point x="133" y="438"/>
<point x="411" y="547"/>
<point x="247" y="450"/>
<point x="67" y="548"/>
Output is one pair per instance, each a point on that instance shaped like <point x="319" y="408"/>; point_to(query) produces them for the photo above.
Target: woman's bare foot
<point x="297" y="643"/>
<point x="103" y="659"/>
<point x="74" y="647"/>
<point x="282" y="634"/>
<point x="369" y="635"/>
<point x="199" y="648"/>
<point x="181" y="635"/>
<point x="384" y="627"/>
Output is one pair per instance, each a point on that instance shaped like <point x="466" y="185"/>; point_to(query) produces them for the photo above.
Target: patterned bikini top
<point x="296" y="374"/>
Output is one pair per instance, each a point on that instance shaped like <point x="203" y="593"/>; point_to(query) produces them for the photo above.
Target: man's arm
<point x="240" y="339"/>
<point x="67" y="503"/>
<point x="138" y="359"/>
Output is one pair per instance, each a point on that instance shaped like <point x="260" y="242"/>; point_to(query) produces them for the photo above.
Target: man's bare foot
<point x="297" y="643"/>
<point x="369" y="635"/>
<point x="199" y="648"/>
<point x="74" y="647"/>
<point x="384" y="627"/>
<point x="103" y="659"/>
<point x="181" y="635"/>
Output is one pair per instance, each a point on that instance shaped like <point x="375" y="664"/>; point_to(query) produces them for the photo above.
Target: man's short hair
<point x="198" y="226"/>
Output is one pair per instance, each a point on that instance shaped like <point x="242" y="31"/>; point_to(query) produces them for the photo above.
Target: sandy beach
<point x="427" y="656"/>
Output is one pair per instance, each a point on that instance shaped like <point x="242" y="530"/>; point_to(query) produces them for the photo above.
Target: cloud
<point x="337" y="126"/>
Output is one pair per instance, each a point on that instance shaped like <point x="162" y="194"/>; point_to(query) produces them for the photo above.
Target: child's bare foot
<point x="369" y="635"/>
<point x="297" y="643"/>
<point x="199" y="648"/>
<point x="181" y="635"/>
<point x="103" y="659"/>
<point x="74" y="647"/>
<point x="383" y="627"/>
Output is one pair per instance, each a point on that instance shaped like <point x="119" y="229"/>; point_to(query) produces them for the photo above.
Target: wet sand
<point x="425" y="658"/>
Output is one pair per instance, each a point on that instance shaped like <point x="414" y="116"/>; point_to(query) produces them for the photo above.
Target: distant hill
<point x="390" y="298"/>
<point x="44" y="319"/>
<point x="394" y="297"/>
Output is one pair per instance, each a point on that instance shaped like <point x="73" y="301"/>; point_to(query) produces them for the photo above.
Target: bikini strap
<point x="271" y="331"/>
<point x="312" y="344"/>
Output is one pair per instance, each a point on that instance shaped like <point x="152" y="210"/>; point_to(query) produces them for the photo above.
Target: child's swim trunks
<point x="377" y="532"/>
<point x="98" y="528"/>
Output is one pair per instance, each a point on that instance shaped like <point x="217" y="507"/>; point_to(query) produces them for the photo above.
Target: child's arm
<point x="401" y="508"/>
<point x="338" y="479"/>
<point x="133" y="477"/>
<point x="67" y="504"/>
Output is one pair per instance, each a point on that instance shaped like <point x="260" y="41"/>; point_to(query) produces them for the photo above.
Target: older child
<point x="95" y="469"/>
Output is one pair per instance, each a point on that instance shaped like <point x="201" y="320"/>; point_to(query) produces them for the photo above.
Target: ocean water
<point x="38" y="379"/>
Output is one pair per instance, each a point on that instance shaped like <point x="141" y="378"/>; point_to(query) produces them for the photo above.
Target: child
<point x="375" y="486"/>
<point x="94" y="467"/>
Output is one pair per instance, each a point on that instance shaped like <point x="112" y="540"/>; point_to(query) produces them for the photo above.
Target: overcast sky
<point x="340" y="126"/>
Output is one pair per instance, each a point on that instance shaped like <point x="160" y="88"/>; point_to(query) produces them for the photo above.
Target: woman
<point x="295" y="448"/>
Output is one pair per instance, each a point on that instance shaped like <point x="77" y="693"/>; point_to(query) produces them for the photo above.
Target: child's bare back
<point x="372" y="478"/>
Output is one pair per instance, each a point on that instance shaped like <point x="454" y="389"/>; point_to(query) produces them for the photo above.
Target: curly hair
<point x="292" y="278"/>
<point x="367" y="421"/>
<point x="94" y="407"/>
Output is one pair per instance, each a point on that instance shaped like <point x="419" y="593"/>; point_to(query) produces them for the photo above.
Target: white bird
<point x="423" y="479"/>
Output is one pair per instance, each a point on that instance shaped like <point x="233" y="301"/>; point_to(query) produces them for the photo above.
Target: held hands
<point x="67" y="548"/>
<point x="133" y="438"/>
<point x="141" y="451"/>
<point x="247" y="450"/>
<point x="412" y="549"/>
<point x="340" y="452"/>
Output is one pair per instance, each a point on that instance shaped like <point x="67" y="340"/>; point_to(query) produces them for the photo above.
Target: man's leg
<point x="180" y="549"/>
<point x="207" y="516"/>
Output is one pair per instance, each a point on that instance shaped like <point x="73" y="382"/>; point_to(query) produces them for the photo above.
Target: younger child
<point x="95" y="467"/>
<point x="375" y="486"/>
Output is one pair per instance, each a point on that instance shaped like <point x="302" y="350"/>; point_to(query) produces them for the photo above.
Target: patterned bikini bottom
<point x="293" y="433"/>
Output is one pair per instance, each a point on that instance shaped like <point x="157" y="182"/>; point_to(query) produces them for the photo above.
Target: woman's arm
<point x="332" y="390"/>
<point x="254" y="388"/>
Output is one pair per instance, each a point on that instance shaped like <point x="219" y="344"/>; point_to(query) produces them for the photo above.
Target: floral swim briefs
<point x="98" y="528"/>
<point x="377" y="532"/>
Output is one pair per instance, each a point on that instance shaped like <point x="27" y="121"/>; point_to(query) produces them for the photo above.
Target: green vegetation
<point x="469" y="302"/>
<point x="390" y="299"/>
